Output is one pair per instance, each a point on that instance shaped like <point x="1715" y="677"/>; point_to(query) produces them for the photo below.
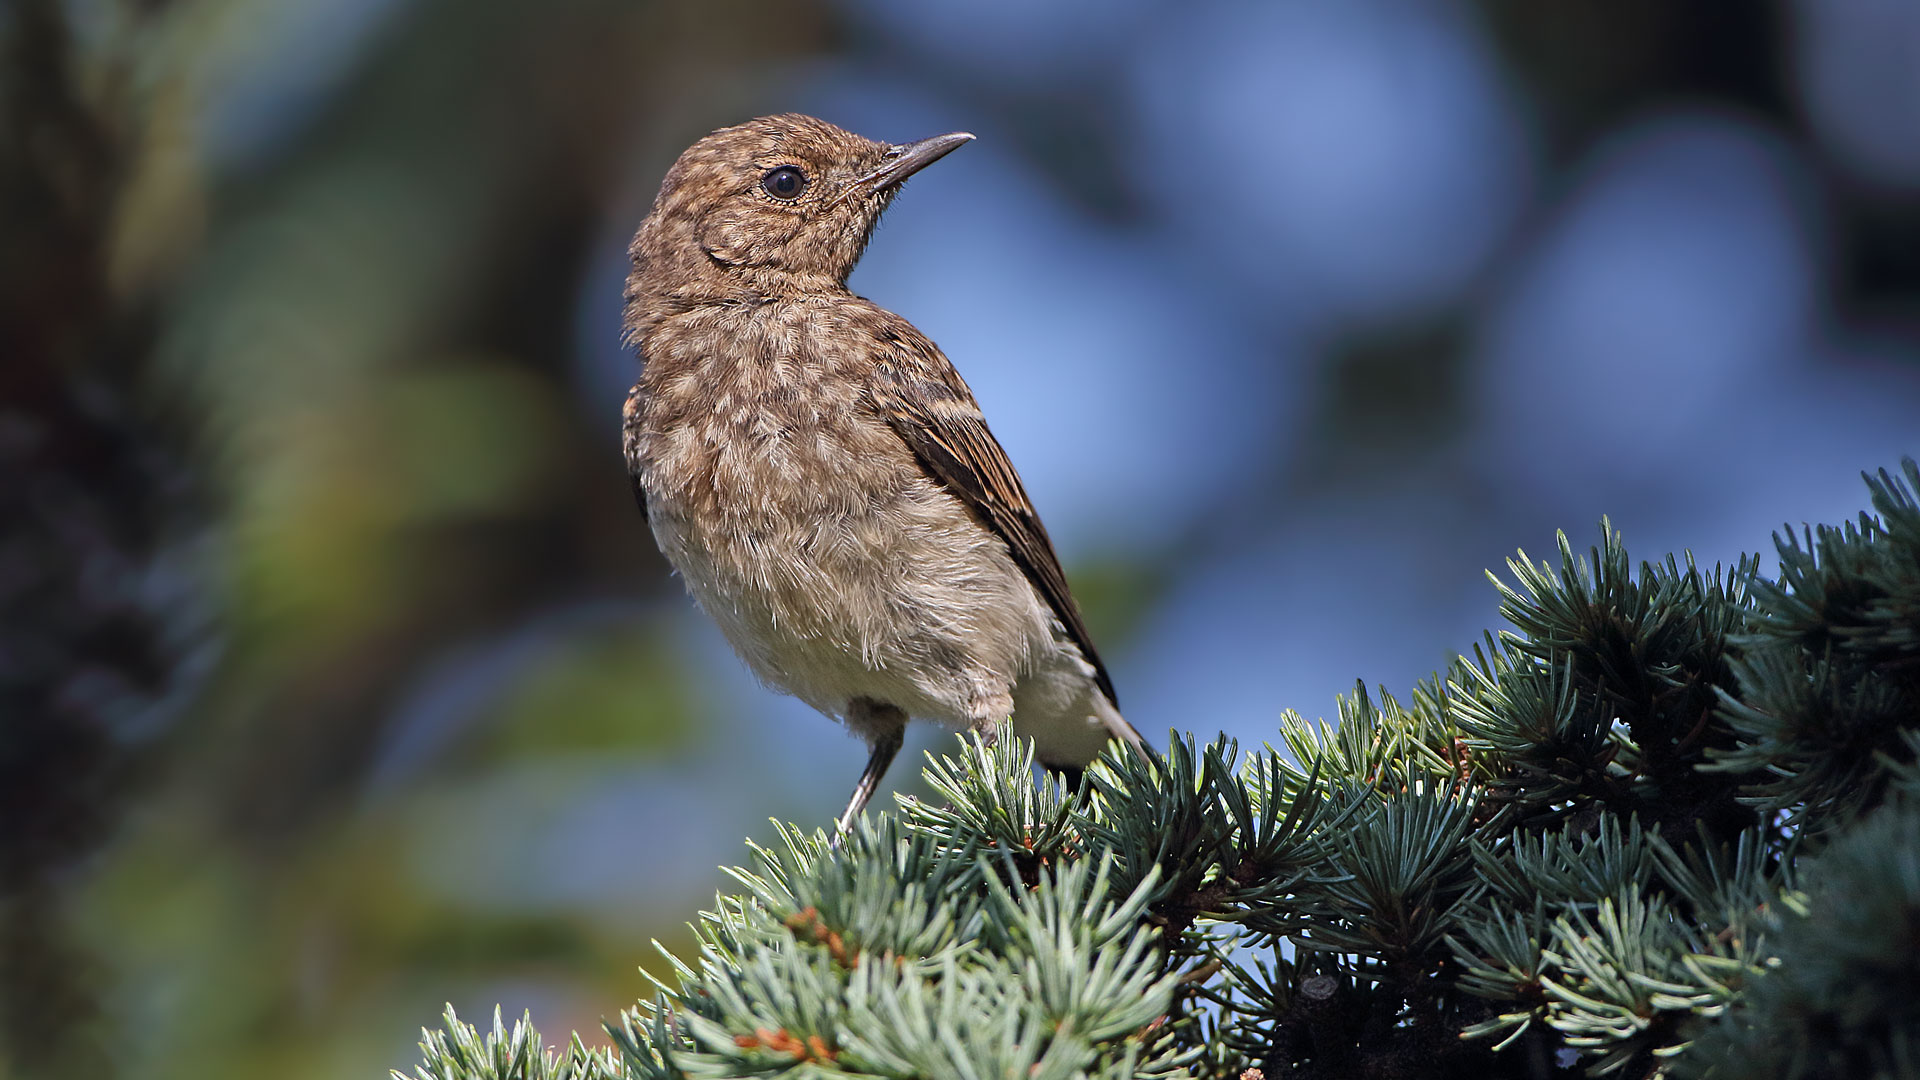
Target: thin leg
<point x="885" y="739"/>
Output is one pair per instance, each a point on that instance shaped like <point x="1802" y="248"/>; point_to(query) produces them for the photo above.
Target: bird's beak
<point x="903" y="161"/>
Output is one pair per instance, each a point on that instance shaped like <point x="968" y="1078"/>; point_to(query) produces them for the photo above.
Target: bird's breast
<point x="759" y="446"/>
<point x="809" y="531"/>
<point x="763" y="466"/>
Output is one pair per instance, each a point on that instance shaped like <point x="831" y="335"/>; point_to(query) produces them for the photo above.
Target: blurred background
<point x="341" y="678"/>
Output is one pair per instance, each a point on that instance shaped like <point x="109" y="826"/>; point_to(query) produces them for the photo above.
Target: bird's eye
<point x="784" y="183"/>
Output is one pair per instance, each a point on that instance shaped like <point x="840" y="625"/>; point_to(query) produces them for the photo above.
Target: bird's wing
<point x="924" y="399"/>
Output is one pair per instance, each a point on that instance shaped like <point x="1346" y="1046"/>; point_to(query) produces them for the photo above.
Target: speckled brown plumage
<point x="820" y="474"/>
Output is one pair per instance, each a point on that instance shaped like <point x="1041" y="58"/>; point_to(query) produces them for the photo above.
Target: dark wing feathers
<point x="928" y="404"/>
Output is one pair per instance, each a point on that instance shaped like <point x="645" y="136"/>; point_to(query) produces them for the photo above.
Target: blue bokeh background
<point x="1645" y="327"/>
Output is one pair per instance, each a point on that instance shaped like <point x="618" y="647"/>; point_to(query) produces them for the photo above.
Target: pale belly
<point x="838" y="570"/>
<point x="909" y="602"/>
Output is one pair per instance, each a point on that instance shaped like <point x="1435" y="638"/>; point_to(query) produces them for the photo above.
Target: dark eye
<point x="784" y="183"/>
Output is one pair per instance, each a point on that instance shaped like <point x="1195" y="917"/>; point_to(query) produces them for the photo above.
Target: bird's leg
<point x="884" y="748"/>
<point x="884" y="727"/>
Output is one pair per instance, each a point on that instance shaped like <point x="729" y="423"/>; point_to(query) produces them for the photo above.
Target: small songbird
<point x="820" y="474"/>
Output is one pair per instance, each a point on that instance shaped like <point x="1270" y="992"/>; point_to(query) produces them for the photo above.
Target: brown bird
<point x="820" y="474"/>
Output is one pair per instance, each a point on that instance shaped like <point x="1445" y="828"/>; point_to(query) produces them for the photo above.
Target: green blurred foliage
<point x="351" y="307"/>
<point x="616" y="692"/>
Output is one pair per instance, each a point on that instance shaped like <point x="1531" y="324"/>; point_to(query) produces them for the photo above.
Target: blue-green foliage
<point x="1669" y="822"/>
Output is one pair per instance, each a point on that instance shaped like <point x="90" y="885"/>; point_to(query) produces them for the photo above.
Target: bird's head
<point x="775" y="205"/>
